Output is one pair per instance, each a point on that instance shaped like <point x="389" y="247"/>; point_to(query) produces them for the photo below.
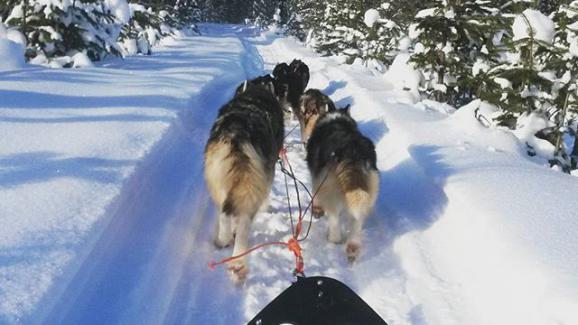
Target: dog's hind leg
<point x="354" y="239"/>
<point x="334" y="234"/>
<point x="224" y="234"/>
<point x="238" y="268"/>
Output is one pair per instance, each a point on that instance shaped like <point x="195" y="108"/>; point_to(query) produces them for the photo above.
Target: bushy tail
<point x="248" y="183"/>
<point x="360" y="185"/>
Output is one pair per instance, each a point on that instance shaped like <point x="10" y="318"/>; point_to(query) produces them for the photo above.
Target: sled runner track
<point x="149" y="266"/>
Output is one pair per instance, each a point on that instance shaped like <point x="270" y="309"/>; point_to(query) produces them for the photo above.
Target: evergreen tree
<point x="382" y="39"/>
<point x="527" y="88"/>
<point x="309" y="14"/>
<point x="453" y="44"/>
<point x="58" y="29"/>
<point x="563" y="62"/>
<point x="342" y="29"/>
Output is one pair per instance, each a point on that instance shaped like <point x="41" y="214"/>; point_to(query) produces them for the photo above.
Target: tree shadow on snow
<point x="410" y="198"/>
<point x="43" y="166"/>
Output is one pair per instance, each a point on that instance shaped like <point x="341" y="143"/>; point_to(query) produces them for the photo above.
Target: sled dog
<point x="240" y="158"/>
<point x="342" y="163"/>
<point x="265" y="81"/>
<point x="313" y="103"/>
<point x="290" y="83"/>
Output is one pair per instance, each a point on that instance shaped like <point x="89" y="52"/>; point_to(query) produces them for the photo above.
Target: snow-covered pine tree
<point x="383" y="33"/>
<point x="452" y="46"/>
<point x="309" y="15"/>
<point x="563" y="62"/>
<point x="183" y="14"/>
<point x="66" y="28"/>
<point x="144" y="30"/>
<point x="293" y="18"/>
<point x="525" y="88"/>
<point x="263" y="11"/>
<point x="342" y="29"/>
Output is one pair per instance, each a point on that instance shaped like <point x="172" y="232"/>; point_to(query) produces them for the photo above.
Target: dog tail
<point x="248" y="182"/>
<point x="359" y="183"/>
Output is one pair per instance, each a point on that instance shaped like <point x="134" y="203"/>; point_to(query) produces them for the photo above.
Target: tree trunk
<point x="574" y="154"/>
<point x="24" y="18"/>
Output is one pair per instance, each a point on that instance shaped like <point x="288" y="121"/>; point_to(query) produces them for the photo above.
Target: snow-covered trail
<point x="109" y="221"/>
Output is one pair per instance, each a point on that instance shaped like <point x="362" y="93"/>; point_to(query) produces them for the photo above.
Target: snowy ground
<point x="105" y="217"/>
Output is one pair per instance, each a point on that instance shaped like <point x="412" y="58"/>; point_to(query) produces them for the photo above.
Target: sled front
<point x="317" y="300"/>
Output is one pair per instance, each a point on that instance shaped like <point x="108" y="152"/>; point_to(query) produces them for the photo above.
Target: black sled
<point x="317" y="300"/>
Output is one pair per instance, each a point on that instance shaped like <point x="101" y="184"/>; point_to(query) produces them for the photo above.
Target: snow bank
<point x="12" y="45"/>
<point x="70" y="140"/>
<point x="371" y="17"/>
<point x="81" y="60"/>
<point x="468" y="229"/>
<point x="403" y="77"/>
<point x="542" y="27"/>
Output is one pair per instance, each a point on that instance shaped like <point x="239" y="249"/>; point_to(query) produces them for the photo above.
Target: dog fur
<point x="342" y="163"/>
<point x="290" y="82"/>
<point x="313" y="103"/>
<point x="240" y="158"/>
<point x="265" y="81"/>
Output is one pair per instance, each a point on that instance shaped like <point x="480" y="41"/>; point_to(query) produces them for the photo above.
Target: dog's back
<point x="242" y="150"/>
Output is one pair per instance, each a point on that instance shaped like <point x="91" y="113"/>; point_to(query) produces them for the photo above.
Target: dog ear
<point x="346" y="109"/>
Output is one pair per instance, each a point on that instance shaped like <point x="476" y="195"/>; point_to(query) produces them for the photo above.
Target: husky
<point x="240" y="158"/>
<point x="313" y="103"/>
<point x="290" y="82"/>
<point x="342" y="163"/>
<point x="265" y="81"/>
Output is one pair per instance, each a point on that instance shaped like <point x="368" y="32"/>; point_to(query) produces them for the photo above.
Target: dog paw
<point x="222" y="243"/>
<point x="335" y="238"/>
<point x="238" y="272"/>
<point x="317" y="211"/>
<point x="352" y="250"/>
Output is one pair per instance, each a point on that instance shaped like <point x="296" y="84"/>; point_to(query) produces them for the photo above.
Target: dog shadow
<point x="412" y="198"/>
<point x="344" y="102"/>
<point x="373" y="129"/>
<point x="333" y="87"/>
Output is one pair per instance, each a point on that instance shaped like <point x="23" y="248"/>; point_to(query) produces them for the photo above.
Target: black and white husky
<point x="240" y="159"/>
<point x="342" y="163"/>
<point x="266" y="82"/>
<point x="290" y="82"/>
<point x="312" y="105"/>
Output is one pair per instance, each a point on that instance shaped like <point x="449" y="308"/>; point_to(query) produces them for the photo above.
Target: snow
<point x="11" y="49"/>
<point x="371" y="17"/>
<point x="71" y="141"/>
<point x="403" y="77"/>
<point x="542" y="27"/>
<point x="120" y="9"/>
<point x="103" y="205"/>
<point x="81" y="60"/>
<point x="426" y="13"/>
